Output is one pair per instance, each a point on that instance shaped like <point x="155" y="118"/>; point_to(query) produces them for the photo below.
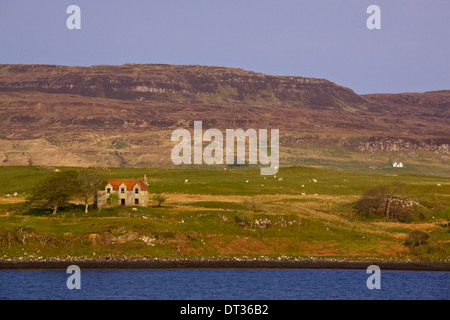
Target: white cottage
<point x="397" y="164"/>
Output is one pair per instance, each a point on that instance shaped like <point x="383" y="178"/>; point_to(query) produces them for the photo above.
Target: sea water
<point x="223" y="284"/>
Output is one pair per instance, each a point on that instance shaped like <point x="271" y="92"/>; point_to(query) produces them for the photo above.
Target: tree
<point x="57" y="189"/>
<point x="387" y="202"/>
<point x="159" y="199"/>
<point x="89" y="181"/>
<point x="113" y="198"/>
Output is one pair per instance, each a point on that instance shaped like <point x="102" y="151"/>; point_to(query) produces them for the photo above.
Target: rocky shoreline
<point x="224" y="263"/>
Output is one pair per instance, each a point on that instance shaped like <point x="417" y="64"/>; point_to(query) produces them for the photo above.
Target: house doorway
<point x="122" y="202"/>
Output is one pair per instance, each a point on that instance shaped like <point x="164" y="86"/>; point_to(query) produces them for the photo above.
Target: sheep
<point x="186" y="181"/>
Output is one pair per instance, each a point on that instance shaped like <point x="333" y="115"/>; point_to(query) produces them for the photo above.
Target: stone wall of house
<point x="129" y="197"/>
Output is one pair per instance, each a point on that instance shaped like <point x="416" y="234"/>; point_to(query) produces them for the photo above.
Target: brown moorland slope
<point x="124" y="116"/>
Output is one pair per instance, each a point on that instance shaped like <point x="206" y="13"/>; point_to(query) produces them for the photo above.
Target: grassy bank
<point x="302" y="212"/>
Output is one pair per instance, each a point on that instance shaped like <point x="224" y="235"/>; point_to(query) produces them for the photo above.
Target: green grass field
<point x="309" y="213"/>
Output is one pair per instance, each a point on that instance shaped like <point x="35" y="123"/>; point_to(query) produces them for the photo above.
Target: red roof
<point x="129" y="183"/>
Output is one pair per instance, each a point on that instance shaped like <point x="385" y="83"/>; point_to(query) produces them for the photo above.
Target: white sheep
<point x="186" y="181"/>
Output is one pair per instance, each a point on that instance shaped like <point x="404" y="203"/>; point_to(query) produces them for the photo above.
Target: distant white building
<point x="397" y="164"/>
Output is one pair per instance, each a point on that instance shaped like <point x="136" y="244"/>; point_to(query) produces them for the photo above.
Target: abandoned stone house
<point x="130" y="192"/>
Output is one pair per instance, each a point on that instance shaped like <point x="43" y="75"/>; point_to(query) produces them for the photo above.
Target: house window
<point x="136" y="190"/>
<point x="108" y="190"/>
<point x="122" y="190"/>
<point x="136" y="201"/>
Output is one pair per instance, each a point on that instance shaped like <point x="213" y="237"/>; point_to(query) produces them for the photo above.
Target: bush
<point x="191" y="235"/>
<point x="387" y="202"/>
<point x="416" y="238"/>
<point x="112" y="199"/>
<point x="46" y="238"/>
<point x="243" y="219"/>
<point x="23" y="234"/>
<point x="6" y="238"/>
<point x="254" y="204"/>
<point x="159" y="199"/>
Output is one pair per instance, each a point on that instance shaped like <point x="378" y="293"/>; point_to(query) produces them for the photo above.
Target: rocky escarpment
<point x="374" y="144"/>
<point x="155" y="82"/>
<point x="392" y="144"/>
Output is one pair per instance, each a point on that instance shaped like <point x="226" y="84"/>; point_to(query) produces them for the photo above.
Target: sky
<point x="311" y="38"/>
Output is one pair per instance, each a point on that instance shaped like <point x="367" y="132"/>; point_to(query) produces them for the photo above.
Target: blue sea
<point x="222" y="284"/>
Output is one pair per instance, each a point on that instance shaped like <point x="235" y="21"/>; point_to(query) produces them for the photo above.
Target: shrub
<point x="254" y="204"/>
<point x="243" y="219"/>
<point x="23" y="234"/>
<point x="191" y="235"/>
<point x="46" y="238"/>
<point x="416" y="238"/>
<point x="6" y="238"/>
<point x="159" y="199"/>
<point x="112" y="199"/>
<point x="387" y="202"/>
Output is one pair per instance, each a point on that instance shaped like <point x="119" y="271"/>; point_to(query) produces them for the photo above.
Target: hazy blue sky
<point x="314" y="38"/>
